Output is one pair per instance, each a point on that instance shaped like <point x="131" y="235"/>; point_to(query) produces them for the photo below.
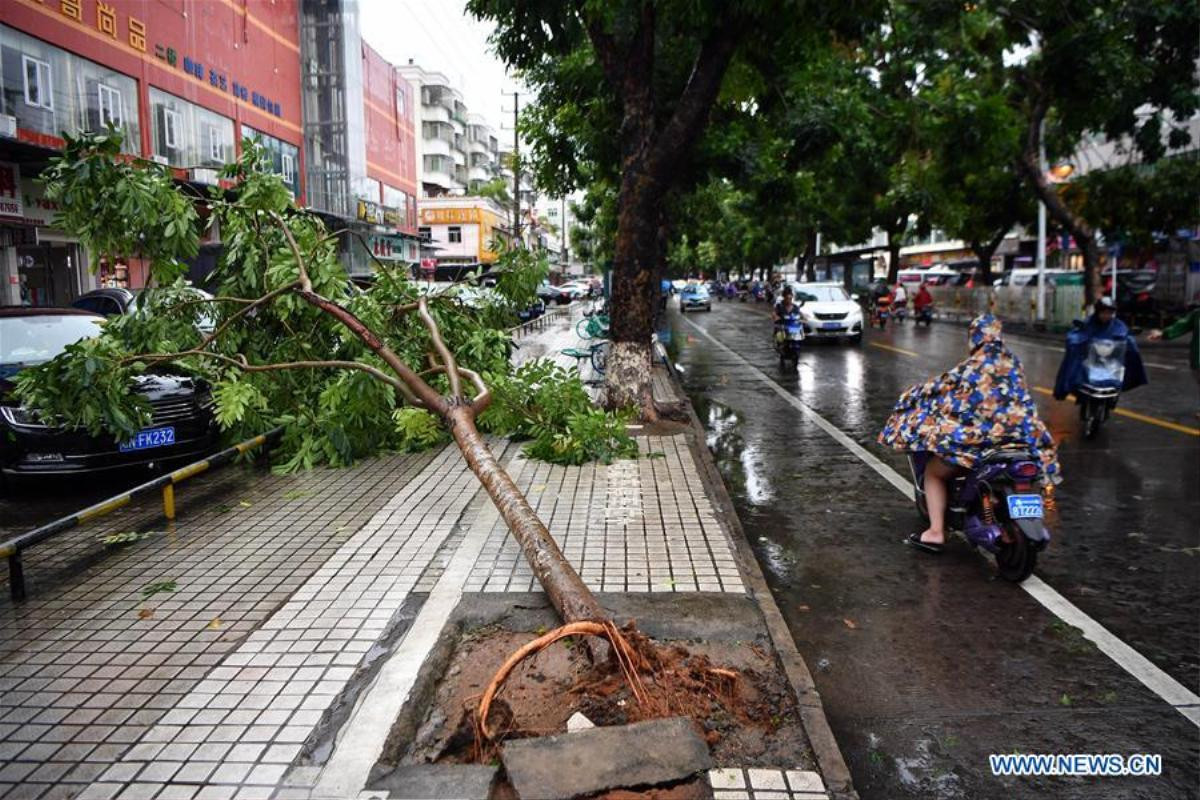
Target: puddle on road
<point x="741" y="462"/>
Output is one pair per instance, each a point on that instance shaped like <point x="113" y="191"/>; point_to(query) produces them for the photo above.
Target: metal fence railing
<point x="544" y="321"/>
<point x="13" y="548"/>
<point x="1010" y="303"/>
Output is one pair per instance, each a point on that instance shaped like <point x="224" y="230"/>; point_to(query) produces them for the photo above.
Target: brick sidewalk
<point x="284" y="593"/>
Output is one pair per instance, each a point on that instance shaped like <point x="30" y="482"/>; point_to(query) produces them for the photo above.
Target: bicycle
<point x="593" y="327"/>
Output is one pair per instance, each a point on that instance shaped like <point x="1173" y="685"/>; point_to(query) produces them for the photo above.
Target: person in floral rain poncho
<point x="980" y="404"/>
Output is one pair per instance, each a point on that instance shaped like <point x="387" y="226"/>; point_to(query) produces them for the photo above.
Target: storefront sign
<point x="369" y="212"/>
<point x="10" y="191"/>
<point x="392" y="217"/>
<point x="387" y="248"/>
<point x="38" y="210"/>
<point x="435" y="215"/>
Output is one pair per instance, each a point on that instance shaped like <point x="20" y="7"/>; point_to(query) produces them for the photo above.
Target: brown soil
<point x="748" y="720"/>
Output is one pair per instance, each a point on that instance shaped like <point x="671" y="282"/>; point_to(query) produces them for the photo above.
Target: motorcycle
<point x="924" y="315"/>
<point x="880" y="316"/>
<point x="998" y="505"/>
<point x="759" y="294"/>
<point x="789" y="333"/>
<point x="1103" y="374"/>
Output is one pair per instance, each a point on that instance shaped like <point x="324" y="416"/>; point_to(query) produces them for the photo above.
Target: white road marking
<point x="1173" y="692"/>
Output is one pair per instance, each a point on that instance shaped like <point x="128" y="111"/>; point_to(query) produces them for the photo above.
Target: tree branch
<point x="698" y="96"/>
<point x="305" y="282"/>
<point x="241" y="312"/>
<point x="424" y="392"/>
<point x="606" y="47"/>
<point x="443" y="352"/>
<point x="242" y="364"/>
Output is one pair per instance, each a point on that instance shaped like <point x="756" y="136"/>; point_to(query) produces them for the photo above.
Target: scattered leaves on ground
<point x="151" y="589"/>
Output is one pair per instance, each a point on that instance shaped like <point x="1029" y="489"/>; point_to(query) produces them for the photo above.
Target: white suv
<point x="828" y="312"/>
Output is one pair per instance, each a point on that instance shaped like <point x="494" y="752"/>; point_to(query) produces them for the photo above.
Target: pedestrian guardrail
<point x="541" y="322"/>
<point x="13" y="548"/>
<point x="1010" y="303"/>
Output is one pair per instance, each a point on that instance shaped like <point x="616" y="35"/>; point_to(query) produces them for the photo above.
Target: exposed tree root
<point x="642" y="681"/>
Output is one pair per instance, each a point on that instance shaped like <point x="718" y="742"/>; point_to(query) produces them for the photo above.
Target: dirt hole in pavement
<point x="749" y="719"/>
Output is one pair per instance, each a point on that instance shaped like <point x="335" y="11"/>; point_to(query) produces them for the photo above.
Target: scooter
<point x="998" y="505"/>
<point x="924" y="315"/>
<point x="881" y="314"/>
<point x="789" y="333"/>
<point x="1103" y="374"/>
<point x="759" y="294"/>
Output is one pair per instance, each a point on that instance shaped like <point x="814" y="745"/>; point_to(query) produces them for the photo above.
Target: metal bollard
<point x="168" y="495"/>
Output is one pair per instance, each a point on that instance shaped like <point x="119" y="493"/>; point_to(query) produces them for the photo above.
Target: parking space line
<point x="1171" y="691"/>
<point x="1124" y="412"/>
<point x="900" y="350"/>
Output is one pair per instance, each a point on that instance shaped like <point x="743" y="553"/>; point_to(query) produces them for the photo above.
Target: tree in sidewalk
<point x="643" y="76"/>
<point x="347" y="372"/>
<point x="1124" y="70"/>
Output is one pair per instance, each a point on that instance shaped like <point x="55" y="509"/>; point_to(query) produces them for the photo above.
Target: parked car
<point x="577" y="289"/>
<point x="694" y="296"/>
<point x="183" y="426"/>
<point x="553" y="294"/>
<point x="113" y="301"/>
<point x="532" y="311"/>
<point x="829" y="312"/>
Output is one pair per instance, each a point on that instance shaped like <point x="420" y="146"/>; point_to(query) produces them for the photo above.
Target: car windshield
<point x="821" y="294"/>
<point x="36" y="338"/>
<point x="696" y="288"/>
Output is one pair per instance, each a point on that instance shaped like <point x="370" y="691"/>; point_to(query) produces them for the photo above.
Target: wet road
<point x="925" y="664"/>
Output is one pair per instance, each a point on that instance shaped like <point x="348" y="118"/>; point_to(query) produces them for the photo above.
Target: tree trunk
<point x="893" y="246"/>
<point x="984" y="251"/>
<point x="566" y="591"/>
<point x="810" y="257"/>
<point x="1082" y="231"/>
<point x="631" y="318"/>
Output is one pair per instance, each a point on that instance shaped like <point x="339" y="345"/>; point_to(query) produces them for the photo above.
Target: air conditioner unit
<point x="157" y="159"/>
<point x="8" y="126"/>
<point x="201" y="175"/>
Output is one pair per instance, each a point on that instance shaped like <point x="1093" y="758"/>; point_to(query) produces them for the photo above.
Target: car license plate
<point x="151" y="437"/>
<point x="831" y="326"/>
<point x="1025" y="506"/>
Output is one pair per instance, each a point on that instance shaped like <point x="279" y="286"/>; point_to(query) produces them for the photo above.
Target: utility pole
<point x="516" y="166"/>
<point x="562" y="234"/>
<point x="1040" y="262"/>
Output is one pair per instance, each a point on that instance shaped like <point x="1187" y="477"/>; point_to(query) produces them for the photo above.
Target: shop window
<point x="455" y="233"/>
<point x="170" y="125"/>
<point x="108" y="110"/>
<point x="216" y="147"/>
<point x="425" y="233"/>
<point x="288" y="168"/>
<point x="39" y="90"/>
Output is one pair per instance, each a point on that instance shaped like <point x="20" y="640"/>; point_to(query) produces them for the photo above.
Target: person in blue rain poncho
<point x="1102" y="324"/>
<point x="982" y="403"/>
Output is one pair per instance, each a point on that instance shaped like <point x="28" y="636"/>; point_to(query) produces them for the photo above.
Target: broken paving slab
<point x="438" y="782"/>
<point x="611" y="757"/>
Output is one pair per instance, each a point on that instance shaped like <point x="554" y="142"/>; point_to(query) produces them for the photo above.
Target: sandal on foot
<point x="914" y="540"/>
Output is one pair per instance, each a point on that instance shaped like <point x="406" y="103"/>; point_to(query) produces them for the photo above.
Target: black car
<point x="111" y="302"/>
<point x="182" y="428"/>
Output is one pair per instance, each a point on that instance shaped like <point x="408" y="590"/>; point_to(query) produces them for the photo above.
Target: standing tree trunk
<point x="1082" y="231"/>
<point x="651" y="157"/>
<point x="895" y="234"/>
<point x="984" y="251"/>
<point x="810" y="257"/>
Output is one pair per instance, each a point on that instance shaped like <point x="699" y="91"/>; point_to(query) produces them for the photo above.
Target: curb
<point x="831" y="763"/>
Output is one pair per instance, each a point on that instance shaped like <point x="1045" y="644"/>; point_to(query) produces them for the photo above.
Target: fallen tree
<point x="291" y="341"/>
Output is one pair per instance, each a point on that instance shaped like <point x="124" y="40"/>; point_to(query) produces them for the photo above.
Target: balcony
<point x="435" y="147"/>
<point x="435" y="113"/>
<point x="443" y="180"/>
<point x="479" y="174"/>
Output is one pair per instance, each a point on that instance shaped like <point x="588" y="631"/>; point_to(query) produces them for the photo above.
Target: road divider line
<point x="1171" y="691"/>
<point x="899" y="350"/>
<point x="1124" y="412"/>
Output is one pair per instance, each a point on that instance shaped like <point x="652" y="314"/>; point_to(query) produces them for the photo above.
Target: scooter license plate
<point x="1025" y="506"/>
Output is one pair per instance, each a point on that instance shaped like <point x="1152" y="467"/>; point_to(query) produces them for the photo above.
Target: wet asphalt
<point x="925" y="664"/>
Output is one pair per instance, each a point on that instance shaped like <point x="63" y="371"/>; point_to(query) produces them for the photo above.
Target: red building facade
<point x="391" y="158"/>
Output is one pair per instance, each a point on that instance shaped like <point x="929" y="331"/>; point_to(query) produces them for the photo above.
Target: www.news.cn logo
<point x="1080" y="764"/>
